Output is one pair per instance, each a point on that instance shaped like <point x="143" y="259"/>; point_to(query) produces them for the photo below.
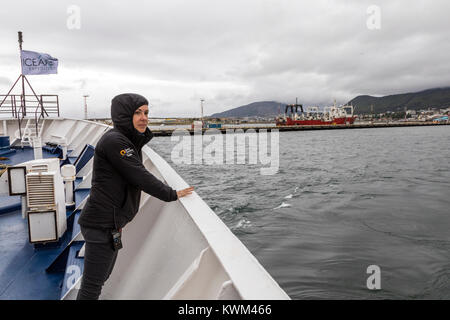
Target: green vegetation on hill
<point x="431" y="98"/>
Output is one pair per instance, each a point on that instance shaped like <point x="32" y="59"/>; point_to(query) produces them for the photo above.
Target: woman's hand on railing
<point x="185" y="192"/>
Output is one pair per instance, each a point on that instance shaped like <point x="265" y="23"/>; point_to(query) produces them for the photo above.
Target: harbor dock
<point x="365" y="125"/>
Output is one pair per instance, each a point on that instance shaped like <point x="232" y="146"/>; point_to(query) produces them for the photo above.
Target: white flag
<point x="38" y="63"/>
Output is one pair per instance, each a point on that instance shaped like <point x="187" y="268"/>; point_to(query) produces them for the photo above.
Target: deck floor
<point x="22" y="266"/>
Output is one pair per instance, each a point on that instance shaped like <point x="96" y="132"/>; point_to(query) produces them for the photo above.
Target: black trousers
<point x="99" y="260"/>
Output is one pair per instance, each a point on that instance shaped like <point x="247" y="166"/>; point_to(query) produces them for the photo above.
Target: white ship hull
<point x="172" y="250"/>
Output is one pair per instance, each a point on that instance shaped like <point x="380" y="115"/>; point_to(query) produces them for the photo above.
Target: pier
<point x="168" y="132"/>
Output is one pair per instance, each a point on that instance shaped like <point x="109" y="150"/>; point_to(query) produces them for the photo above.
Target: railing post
<point x="57" y="104"/>
<point x="20" y="111"/>
<point x="20" y="129"/>
<point x="23" y="96"/>
<point x="12" y="105"/>
<point x="13" y="98"/>
<point x="42" y="107"/>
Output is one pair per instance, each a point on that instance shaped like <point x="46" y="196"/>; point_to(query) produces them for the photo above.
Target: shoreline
<point x="168" y="132"/>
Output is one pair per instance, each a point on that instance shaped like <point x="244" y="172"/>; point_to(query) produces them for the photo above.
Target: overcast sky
<point x="228" y="52"/>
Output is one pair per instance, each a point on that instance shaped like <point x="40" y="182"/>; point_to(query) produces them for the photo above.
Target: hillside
<point x="431" y="98"/>
<point x="255" y="109"/>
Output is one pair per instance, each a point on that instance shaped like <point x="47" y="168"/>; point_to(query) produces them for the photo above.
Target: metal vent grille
<point x="39" y="168"/>
<point x="40" y="190"/>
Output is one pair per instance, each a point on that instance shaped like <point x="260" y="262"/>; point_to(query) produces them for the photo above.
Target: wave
<point x="282" y="205"/>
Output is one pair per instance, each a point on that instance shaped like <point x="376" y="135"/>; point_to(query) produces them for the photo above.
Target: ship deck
<point x="23" y="266"/>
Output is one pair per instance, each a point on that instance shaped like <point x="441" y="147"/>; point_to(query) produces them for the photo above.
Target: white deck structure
<point x="172" y="250"/>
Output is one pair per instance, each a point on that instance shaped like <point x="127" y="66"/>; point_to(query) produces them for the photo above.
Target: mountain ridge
<point x="428" y="98"/>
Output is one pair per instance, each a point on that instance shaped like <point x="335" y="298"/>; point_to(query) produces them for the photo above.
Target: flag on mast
<point x="38" y="63"/>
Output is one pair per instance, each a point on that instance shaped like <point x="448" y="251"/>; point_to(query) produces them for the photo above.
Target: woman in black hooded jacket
<point x="117" y="181"/>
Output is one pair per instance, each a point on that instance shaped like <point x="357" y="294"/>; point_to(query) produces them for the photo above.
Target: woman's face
<point x="140" y="118"/>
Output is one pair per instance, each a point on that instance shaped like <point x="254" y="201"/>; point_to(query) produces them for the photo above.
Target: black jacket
<point x="118" y="174"/>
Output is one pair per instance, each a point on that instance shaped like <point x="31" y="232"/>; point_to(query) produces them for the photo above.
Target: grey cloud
<point x="5" y="81"/>
<point x="237" y="52"/>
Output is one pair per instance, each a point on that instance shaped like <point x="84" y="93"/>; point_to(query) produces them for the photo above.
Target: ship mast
<point x="22" y="112"/>
<point x="24" y="109"/>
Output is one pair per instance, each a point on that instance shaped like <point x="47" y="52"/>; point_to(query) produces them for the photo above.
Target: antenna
<point x="20" y="40"/>
<point x="23" y="102"/>
<point x="85" y="106"/>
<point x="20" y="111"/>
<point x="201" y="106"/>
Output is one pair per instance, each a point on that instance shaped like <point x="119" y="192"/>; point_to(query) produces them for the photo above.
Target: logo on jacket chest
<point x="127" y="152"/>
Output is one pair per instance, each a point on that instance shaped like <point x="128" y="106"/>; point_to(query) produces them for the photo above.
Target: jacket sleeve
<point x="124" y="158"/>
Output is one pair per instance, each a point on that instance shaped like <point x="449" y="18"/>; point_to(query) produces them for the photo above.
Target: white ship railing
<point x="173" y="250"/>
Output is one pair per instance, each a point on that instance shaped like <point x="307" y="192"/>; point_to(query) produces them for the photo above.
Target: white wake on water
<point x="282" y="205"/>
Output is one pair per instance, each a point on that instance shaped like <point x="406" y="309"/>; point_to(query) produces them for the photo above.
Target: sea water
<point x="341" y="202"/>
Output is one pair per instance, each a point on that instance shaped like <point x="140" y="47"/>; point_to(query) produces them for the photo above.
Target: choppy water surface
<point x="342" y="200"/>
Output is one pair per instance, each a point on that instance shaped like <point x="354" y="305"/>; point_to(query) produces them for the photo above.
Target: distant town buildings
<point x="429" y="114"/>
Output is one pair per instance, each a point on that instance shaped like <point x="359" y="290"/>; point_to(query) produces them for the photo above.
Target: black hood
<point x="122" y="110"/>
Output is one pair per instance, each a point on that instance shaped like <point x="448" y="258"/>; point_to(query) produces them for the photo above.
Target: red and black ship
<point x="312" y="116"/>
